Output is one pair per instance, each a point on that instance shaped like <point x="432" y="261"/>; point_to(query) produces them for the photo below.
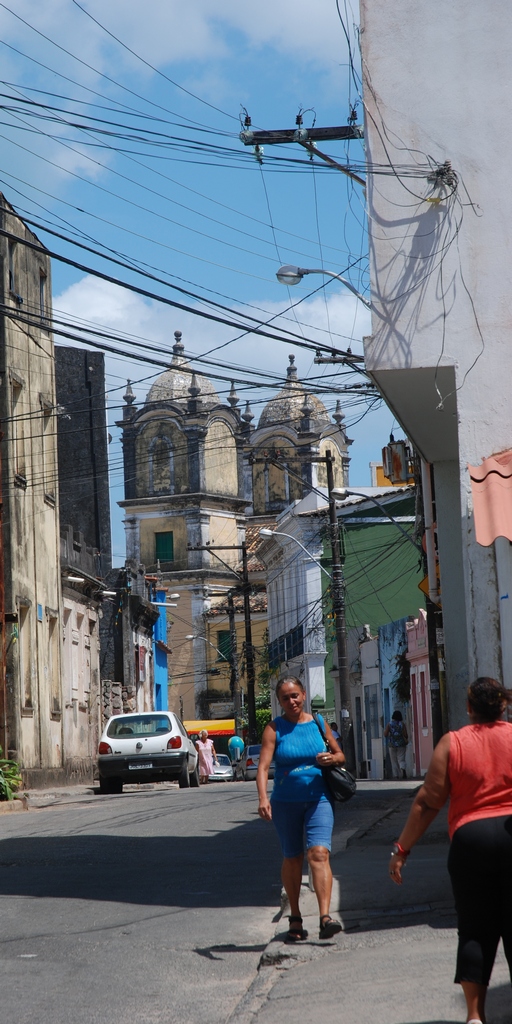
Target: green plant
<point x="265" y="674"/>
<point x="402" y="682"/>
<point x="263" y="717"/>
<point x="10" y="778"/>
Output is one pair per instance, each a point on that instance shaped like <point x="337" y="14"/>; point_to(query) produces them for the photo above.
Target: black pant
<point x="480" y="866"/>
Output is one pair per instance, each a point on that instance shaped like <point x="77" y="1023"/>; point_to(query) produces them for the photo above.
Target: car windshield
<point x="223" y="759"/>
<point x="139" y="725"/>
<point x="253" y="751"/>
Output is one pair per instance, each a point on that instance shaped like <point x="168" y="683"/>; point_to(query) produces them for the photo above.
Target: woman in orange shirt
<point x="473" y="769"/>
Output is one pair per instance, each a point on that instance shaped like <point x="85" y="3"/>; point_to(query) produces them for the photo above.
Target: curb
<point x="20" y="803"/>
<point x="362" y="832"/>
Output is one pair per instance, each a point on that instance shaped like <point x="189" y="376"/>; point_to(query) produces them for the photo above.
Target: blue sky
<point x="145" y="162"/>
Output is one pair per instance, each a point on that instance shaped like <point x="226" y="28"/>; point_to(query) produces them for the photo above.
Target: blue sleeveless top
<point x="297" y="776"/>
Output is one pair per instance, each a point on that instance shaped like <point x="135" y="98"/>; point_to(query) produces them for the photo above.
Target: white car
<point x="146" y="746"/>
<point x="247" y="766"/>
<point x="222" y="770"/>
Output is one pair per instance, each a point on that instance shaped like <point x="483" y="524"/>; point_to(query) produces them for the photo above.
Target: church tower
<point x="199" y="476"/>
<point x="183" y="471"/>
<point x="293" y="429"/>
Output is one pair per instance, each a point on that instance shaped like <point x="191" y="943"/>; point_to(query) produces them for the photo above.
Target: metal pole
<point x="235" y="679"/>
<point x="338" y="603"/>
<point x="434" y="614"/>
<point x="249" y="650"/>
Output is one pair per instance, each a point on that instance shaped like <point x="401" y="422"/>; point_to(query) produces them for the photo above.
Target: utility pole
<point x="338" y="604"/>
<point x="234" y="681"/>
<point x="249" y="650"/>
<point x="307" y="138"/>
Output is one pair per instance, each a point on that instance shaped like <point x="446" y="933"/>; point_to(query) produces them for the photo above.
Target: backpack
<point x="396" y="736"/>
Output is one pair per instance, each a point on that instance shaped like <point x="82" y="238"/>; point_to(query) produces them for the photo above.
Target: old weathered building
<point x="80" y="677"/>
<point x="126" y="641"/>
<point x="84" y="508"/>
<point x="293" y="429"/>
<point x="32" y="712"/>
<point x="196" y="473"/>
<point x="84" y="496"/>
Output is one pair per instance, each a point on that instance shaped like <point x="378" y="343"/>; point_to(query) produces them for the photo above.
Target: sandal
<point x="296" y="933"/>
<point x="328" y="927"/>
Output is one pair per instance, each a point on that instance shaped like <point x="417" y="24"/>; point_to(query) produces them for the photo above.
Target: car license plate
<point x="136" y="767"/>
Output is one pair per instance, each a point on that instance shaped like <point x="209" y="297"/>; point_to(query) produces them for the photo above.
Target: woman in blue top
<point x="300" y="802"/>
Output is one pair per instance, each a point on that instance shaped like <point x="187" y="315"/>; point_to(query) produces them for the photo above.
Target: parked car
<point x="222" y="770"/>
<point x="147" y="746"/>
<point x="247" y="766"/>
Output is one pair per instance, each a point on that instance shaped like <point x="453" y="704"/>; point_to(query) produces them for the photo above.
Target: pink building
<point x="417" y="656"/>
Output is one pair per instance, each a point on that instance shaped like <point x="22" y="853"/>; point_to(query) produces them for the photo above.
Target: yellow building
<point x="198" y="474"/>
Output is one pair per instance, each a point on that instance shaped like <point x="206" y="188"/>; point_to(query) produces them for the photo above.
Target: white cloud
<point x="170" y="31"/>
<point x="122" y="311"/>
<point x="119" y="310"/>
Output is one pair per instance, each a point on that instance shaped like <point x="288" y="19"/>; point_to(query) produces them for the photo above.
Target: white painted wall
<point x="294" y="592"/>
<point x="437" y="84"/>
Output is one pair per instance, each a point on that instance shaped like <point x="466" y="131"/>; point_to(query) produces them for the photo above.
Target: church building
<point x="197" y="474"/>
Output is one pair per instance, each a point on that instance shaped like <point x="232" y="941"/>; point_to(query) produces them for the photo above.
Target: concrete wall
<point x="30" y="511"/>
<point x="440" y="347"/>
<point x="221" y="460"/>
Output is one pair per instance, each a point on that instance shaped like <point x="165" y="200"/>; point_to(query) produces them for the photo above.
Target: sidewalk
<point x="395" y="960"/>
<point x="38" y="799"/>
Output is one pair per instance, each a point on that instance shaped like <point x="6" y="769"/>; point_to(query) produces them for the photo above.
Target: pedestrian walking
<point x="473" y="769"/>
<point x="207" y="755"/>
<point x="396" y="735"/>
<point x="301" y="806"/>
<point x="336" y="734"/>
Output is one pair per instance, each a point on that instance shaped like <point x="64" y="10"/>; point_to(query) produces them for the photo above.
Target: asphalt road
<point x="152" y="907"/>
<point x="148" y="907"/>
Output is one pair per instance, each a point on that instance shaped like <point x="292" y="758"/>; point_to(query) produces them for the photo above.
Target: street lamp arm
<point x="292" y="275"/>
<point x="192" y="636"/>
<point x="346" y="492"/>
<point x="281" y="533"/>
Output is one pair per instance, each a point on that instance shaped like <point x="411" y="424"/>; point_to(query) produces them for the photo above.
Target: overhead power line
<point x="44" y="251"/>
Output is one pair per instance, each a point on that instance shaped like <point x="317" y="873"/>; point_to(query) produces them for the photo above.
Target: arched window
<point x="161" y="466"/>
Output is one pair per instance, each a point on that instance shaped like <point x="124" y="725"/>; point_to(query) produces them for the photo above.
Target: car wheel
<point x="194" y="777"/>
<point x="112" y="786"/>
<point x="184" y="777"/>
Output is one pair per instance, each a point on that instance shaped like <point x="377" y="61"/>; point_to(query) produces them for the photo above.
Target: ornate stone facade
<point x="196" y="471"/>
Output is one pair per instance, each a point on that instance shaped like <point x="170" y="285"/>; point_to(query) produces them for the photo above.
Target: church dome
<point x="287" y="407"/>
<point x="173" y="385"/>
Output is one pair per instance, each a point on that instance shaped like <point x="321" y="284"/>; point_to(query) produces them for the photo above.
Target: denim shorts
<point x="310" y="820"/>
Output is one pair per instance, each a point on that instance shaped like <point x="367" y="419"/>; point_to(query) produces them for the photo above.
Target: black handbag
<point x="342" y="785"/>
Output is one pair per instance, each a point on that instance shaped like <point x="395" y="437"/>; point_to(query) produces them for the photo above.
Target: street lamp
<point x="193" y="636"/>
<point x="167" y="604"/>
<point x="281" y="533"/>
<point x="290" y="275"/>
<point x="347" y="492"/>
